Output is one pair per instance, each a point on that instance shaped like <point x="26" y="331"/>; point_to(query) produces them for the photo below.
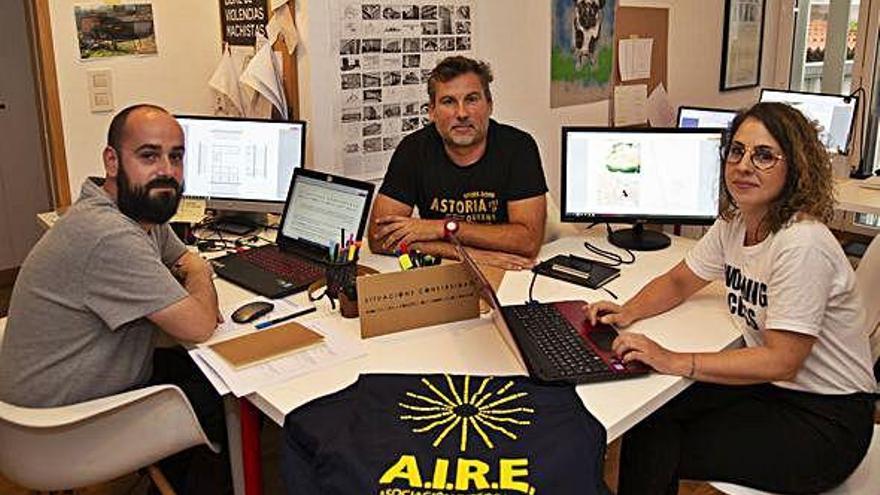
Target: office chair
<point x="868" y="278"/>
<point x="867" y="475"/>
<point x="60" y="448"/>
<point x="860" y="482"/>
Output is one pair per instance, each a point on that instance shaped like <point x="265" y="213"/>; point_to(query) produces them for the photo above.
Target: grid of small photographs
<point x="386" y="52"/>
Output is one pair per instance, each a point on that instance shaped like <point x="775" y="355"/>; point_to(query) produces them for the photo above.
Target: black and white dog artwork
<point x="587" y="27"/>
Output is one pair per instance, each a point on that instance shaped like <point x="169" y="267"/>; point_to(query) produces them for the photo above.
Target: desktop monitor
<point x="640" y="176"/>
<point x="241" y="165"/>
<point x="834" y="114"/>
<point x="704" y="118"/>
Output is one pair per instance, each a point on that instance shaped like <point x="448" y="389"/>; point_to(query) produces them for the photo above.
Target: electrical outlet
<point x="100" y="84"/>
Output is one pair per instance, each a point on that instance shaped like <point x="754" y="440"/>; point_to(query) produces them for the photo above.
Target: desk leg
<point x="233" y="435"/>
<point x="250" y="448"/>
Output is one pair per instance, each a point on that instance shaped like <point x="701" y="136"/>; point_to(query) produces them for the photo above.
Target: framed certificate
<point x="743" y="43"/>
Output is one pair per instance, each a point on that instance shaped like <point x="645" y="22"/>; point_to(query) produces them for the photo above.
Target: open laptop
<point x="319" y="208"/>
<point x="555" y="341"/>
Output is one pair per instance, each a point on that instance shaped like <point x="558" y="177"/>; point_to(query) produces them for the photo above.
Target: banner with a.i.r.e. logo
<point x="446" y="435"/>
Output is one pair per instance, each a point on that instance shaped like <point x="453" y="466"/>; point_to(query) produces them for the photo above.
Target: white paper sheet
<point x="282" y="23"/>
<point x="634" y="58"/>
<point x="225" y="81"/>
<point x="197" y="355"/>
<point x="630" y="104"/>
<point x="660" y="112"/>
<point x="230" y="328"/>
<point x="263" y="74"/>
<point x="339" y="345"/>
<point x="260" y="107"/>
<point x="383" y="52"/>
<point x="190" y="210"/>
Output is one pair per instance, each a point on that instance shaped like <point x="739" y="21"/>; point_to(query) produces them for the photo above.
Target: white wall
<point x="188" y="39"/>
<point x="514" y="37"/>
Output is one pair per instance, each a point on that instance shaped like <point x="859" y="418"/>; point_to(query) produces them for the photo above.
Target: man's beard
<point x="455" y="140"/>
<point x="137" y="203"/>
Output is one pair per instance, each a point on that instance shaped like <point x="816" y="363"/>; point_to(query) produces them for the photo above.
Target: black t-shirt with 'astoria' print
<point x="421" y="174"/>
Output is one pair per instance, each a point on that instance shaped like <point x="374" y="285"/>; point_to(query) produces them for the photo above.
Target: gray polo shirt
<point x="77" y="328"/>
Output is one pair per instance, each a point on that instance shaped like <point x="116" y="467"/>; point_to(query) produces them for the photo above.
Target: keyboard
<point x="290" y="267"/>
<point x="554" y="346"/>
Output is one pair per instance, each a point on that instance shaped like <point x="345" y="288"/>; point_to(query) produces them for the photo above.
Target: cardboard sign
<point x="397" y="301"/>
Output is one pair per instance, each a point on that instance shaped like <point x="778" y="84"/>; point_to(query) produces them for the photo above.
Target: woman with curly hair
<point x="791" y="411"/>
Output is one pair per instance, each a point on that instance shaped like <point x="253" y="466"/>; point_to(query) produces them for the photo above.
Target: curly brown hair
<point x="808" y="187"/>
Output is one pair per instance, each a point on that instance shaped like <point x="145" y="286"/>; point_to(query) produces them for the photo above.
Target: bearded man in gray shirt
<point x="95" y="290"/>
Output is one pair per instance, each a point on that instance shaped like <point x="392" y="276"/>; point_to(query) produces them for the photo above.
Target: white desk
<point x="852" y="197"/>
<point x="475" y="346"/>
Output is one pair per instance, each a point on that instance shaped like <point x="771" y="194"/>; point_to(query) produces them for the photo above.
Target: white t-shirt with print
<point x="796" y="280"/>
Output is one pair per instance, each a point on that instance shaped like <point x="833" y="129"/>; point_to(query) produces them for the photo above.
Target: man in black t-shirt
<point x="467" y="167"/>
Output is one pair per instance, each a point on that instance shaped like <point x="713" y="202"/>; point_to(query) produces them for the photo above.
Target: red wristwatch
<point x="450" y="228"/>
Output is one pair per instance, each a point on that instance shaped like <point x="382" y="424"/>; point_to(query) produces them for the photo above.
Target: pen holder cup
<point x="340" y="276"/>
<point x="348" y="303"/>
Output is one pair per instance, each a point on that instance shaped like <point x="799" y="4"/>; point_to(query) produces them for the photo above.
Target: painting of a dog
<point x="587" y="26"/>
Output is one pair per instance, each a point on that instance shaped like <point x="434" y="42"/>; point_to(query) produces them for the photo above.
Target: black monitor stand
<point x="639" y="239"/>
<point x="239" y="223"/>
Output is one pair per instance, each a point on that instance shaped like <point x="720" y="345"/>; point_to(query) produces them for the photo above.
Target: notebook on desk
<point x="554" y="341"/>
<point x="258" y="347"/>
<point x="319" y="207"/>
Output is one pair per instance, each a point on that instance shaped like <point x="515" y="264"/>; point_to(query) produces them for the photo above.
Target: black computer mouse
<point x="251" y="311"/>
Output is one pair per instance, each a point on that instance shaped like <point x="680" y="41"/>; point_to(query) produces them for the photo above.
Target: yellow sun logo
<point x="487" y="410"/>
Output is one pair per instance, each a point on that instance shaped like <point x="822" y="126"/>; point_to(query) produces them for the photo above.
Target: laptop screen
<point x="704" y="118"/>
<point x="487" y="293"/>
<point x="318" y="209"/>
<point x="834" y="114"/>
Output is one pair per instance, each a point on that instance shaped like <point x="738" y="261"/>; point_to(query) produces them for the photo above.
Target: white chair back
<point x="868" y="279"/>
<point x="865" y="479"/>
<point x="62" y="448"/>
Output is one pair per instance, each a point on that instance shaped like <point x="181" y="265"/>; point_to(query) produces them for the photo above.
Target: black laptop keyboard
<point x="293" y="268"/>
<point x="554" y="345"/>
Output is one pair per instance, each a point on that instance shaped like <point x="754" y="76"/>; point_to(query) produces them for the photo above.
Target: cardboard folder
<point x="264" y="345"/>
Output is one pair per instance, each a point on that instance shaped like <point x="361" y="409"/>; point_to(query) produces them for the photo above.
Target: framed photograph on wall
<point x="743" y="43"/>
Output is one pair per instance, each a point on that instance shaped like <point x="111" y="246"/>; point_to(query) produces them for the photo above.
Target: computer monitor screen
<point x="241" y="165"/>
<point x="318" y="208"/>
<point x="833" y="113"/>
<point x="704" y="118"/>
<point x="640" y="176"/>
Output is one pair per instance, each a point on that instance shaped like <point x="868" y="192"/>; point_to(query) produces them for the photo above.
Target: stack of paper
<point x="260" y="347"/>
<point x="341" y="342"/>
<point x="339" y="345"/>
